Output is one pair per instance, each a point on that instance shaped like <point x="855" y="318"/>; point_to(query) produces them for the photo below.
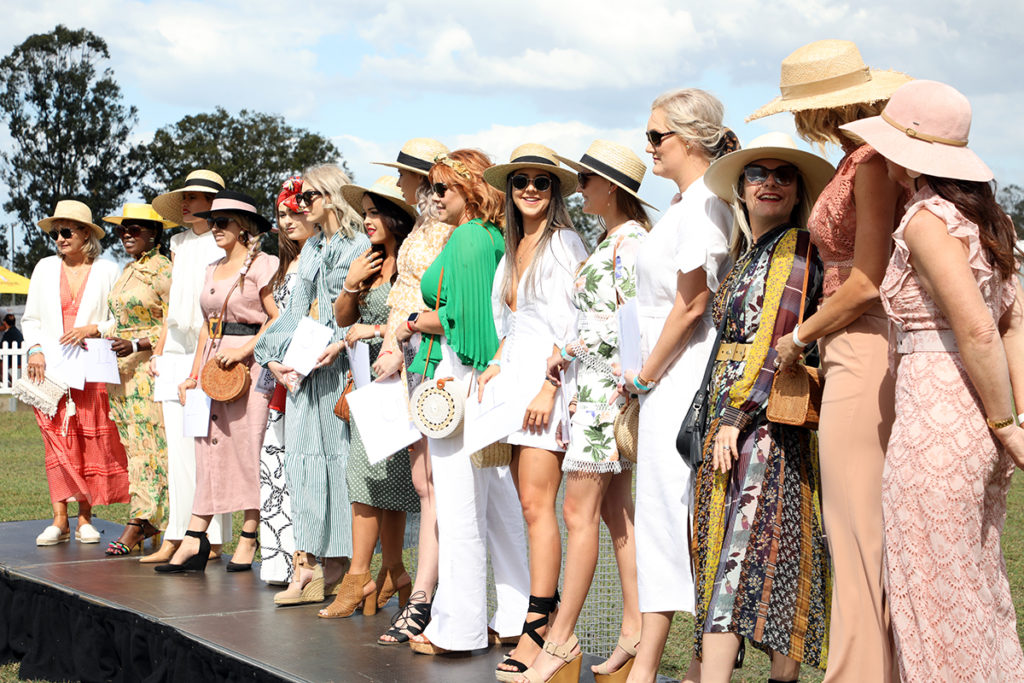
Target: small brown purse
<point x="224" y="384"/>
<point x="341" y="409"/>
<point x="795" y="398"/>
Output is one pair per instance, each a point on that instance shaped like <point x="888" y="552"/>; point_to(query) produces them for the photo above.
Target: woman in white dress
<point x="534" y="315"/>
<point x="679" y="267"/>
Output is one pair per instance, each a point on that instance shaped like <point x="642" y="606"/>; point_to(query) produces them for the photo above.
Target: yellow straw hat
<point x="139" y="212"/>
<point x="168" y="204"/>
<point x="72" y="210"/>
<point x="417" y="155"/>
<point x="826" y="74"/>
<point x="386" y="187"/>
<point x="615" y="163"/>
<point x="532" y="155"/>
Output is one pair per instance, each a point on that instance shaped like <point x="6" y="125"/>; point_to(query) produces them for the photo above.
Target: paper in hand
<point x="630" y="357"/>
<point x="308" y="342"/>
<point x="381" y="411"/>
<point x="65" y="363"/>
<point x="492" y="418"/>
<point x="172" y="370"/>
<point x="101" y="362"/>
<point x="359" y="361"/>
<point x="197" y="413"/>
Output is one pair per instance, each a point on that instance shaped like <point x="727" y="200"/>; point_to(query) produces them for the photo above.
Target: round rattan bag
<point x="437" y="407"/>
<point x="224" y="384"/>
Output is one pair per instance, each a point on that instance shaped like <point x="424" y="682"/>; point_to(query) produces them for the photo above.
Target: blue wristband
<point x="494" y="361"/>
<point x="642" y="388"/>
<point x="565" y="354"/>
<point x="33" y="351"/>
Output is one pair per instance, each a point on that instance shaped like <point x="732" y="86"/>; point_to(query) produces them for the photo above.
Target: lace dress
<point x="944" y="485"/>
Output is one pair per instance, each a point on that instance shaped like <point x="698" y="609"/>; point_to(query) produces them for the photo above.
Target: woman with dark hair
<point x="138" y="303"/>
<point x="383" y="493"/>
<point x="953" y="297"/>
<point x="534" y="315"/>
<point x="228" y="457"/>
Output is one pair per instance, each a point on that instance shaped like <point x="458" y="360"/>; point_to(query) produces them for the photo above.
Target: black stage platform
<point x="70" y="613"/>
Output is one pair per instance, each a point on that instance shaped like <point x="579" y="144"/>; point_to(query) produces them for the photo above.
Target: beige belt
<point x="734" y="351"/>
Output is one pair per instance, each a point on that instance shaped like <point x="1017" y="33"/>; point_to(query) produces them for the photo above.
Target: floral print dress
<point x="606" y="280"/>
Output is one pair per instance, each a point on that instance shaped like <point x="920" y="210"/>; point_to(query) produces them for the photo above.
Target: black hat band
<point x="613" y="173"/>
<point x="533" y="160"/>
<point x="410" y="160"/>
<point x="203" y="182"/>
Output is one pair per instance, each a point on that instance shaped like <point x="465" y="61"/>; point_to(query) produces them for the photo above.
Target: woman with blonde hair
<point x="827" y="85"/>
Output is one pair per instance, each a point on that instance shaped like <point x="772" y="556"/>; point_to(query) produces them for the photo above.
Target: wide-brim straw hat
<point x="236" y="202"/>
<point x="72" y="210"/>
<point x="724" y="173"/>
<point x="385" y="187"/>
<point x="168" y="204"/>
<point x="532" y="155"/>
<point x="615" y="163"/>
<point x="417" y="155"/>
<point x="924" y="128"/>
<point x="139" y="212"/>
<point x="827" y="74"/>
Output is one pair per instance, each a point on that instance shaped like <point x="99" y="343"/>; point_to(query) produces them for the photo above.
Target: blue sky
<point x="371" y="75"/>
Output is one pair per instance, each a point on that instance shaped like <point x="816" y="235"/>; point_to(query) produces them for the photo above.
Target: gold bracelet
<point x="999" y="424"/>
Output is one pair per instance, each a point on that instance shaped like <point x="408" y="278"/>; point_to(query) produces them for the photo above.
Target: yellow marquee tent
<point x="12" y="283"/>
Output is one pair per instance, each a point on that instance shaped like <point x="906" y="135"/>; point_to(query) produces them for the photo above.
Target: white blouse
<point x="43" y="320"/>
<point x="192" y="254"/>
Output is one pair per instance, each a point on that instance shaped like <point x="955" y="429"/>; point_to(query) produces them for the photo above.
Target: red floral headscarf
<point x="289" y="189"/>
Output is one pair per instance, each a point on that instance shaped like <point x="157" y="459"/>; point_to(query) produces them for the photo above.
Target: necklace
<point x="76" y="278"/>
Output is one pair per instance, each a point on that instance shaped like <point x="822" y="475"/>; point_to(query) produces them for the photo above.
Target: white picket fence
<point x="11" y="366"/>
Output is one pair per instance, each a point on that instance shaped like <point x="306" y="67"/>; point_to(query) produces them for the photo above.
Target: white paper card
<point x="65" y="364"/>
<point x="101" y="362"/>
<point x="359" y="361"/>
<point x="563" y="397"/>
<point x="629" y="337"/>
<point x="308" y="342"/>
<point x="173" y="370"/>
<point x="266" y="382"/>
<point x="197" y="413"/>
<point x="492" y="418"/>
<point x="382" y="412"/>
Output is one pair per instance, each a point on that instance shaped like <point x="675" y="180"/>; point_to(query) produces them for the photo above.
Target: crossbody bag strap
<point x="803" y="289"/>
<point x="437" y="305"/>
<point x="223" y="311"/>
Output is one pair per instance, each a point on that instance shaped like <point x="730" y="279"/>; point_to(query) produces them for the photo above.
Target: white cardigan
<point x="43" y="320"/>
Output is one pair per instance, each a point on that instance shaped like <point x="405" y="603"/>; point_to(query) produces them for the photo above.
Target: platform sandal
<point x="627" y="645"/>
<point x="410" y="621"/>
<point x="568" y="671"/>
<point x="544" y="607"/>
<point x="298" y="593"/>
<point x="355" y="589"/>
<point x="196" y="563"/>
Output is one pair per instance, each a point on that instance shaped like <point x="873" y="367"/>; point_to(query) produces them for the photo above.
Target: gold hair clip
<point x="453" y="164"/>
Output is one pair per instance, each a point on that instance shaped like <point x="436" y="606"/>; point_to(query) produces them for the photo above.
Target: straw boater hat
<point x="615" y="163"/>
<point x="723" y="174"/>
<point x="417" y="155"/>
<point x="826" y="74"/>
<point x="168" y="204"/>
<point x="138" y="212"/>
<point x="532" y="155"/>
<point x="236" y="202"/>
<point x="386" y="186"/>
<point x="924" y="128"/>
<point x="71" y="210"/>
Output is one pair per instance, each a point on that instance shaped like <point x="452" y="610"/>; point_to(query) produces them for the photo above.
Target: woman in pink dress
<point x="228" y="458"/>
<point x="954" y="303"/>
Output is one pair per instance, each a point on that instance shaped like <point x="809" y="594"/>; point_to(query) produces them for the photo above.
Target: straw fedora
<point x="924" y="128"/>
<point x="615" y="163"/>
<point x="71" y="210"/>
<point x="826" y="74"/>
<point x="386" y="187"/>
<point x="417" y="155"/>
<point x="724" y="172"/>
<point x="236" y="202"/>
<point x="139" y="212"/>
<point x="532" y="155"/>
<point x="168" y="204"/>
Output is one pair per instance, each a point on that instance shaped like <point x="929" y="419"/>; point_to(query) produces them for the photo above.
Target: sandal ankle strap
<point x="564" y="650"/>
<point x="247" y="534"/>
<point x="195" y="534"/>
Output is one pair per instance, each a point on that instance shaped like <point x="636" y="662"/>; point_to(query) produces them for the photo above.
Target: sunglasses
<point x="657" y="137"/>
<point x="128" y="230"/>
<point x="582" y="178"/>
<point x="756" y="174"/>
<point x="541" y="183"/>
<point x="440" y="189"/>
<point x="308" y="197"/>
<point x="220" y="222"/>
<point x="66" y="233"/>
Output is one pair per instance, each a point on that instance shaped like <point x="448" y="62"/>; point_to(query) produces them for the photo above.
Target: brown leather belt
<point x="733" y="351"/>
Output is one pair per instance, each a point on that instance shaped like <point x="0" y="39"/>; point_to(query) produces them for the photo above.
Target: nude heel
<point x="355" y="590"/>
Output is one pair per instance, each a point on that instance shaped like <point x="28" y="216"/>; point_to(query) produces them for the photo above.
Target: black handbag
<point x="690" y="440"/>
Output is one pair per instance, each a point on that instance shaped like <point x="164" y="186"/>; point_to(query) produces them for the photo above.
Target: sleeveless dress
<point x="945" y="483"/>
<point x="387" y="484"/>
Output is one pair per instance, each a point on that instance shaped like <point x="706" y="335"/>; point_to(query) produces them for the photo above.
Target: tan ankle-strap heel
<point x="355" y="589"/>
<point x="391" y="580"/>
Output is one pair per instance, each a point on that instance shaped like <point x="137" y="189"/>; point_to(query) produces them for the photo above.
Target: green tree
<point x="1011" y="198"/>
<point x="588" y="226"/>
<point x="69" y="133"/>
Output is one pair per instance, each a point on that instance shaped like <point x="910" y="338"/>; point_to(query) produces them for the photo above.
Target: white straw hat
<point x="826" y="74"/>
<point x="168" y="204"/>
<point x="385" y="187"/>
<point x="72" y="210"/>
<point x="615" y="163"/>
<point x="532" y="155"/>
<point x="417" y="155"/>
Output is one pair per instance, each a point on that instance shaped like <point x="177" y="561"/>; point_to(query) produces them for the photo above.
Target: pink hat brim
<point x="922" y="156"/>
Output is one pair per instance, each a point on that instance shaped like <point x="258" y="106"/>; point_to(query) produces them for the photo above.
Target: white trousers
<point x="181" y="474"/>
<point x="475" y="507"/>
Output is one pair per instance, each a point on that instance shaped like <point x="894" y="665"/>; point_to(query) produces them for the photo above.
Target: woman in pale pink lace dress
<point x="953" y="301"/>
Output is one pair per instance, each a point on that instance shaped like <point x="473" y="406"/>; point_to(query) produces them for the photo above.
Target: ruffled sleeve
<point x="466" y="313"/>
<point x="273" y="343"/>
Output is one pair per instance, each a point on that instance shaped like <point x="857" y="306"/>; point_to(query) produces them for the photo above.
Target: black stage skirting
<point x="68" y="612"/>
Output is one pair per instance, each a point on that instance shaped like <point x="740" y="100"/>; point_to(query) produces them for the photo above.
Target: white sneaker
<point x="87" y="533"/>
<point x="52" y="535"/>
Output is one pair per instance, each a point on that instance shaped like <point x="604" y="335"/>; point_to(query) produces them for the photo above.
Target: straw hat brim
<point x="404" y="167"/>
<point x="882" y="85"/>
<point x="168" y="204"/>
<point x="353" y="194"/>
<point x="118" y="220"/>
<point x="723" y="174"/>
<point x="580" y="167"/>
<point x="97" y="231"/>
<point x="496" y="176"/>
<point x="922" y="156"/>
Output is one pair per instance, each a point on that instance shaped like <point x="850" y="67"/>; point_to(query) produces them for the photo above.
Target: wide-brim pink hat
<point x="924" y="128"/>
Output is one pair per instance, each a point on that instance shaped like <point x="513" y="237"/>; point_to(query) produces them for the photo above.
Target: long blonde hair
<point x="329" y="179"/>
<point x="820" y="127"/>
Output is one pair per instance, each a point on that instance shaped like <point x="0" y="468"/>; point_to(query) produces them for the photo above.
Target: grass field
<point x="23" y="495"/>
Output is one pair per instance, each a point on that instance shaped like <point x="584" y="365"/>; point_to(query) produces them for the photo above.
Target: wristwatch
<point x="411" y="322"/>
<point x="135" y="345"/>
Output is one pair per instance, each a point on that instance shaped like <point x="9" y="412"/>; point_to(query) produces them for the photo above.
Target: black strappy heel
<point x="544" y="607"/>
<point x="239" y="566"/>
<point x="196" y="563"/>
<point x="415" y="613"/>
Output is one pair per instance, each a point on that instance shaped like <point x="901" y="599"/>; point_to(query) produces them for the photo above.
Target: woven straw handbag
<point x="438" y="406"/>
<point x="627" y="428"/>
<point x="224" y="384"/>
<point x="498" y="454"/>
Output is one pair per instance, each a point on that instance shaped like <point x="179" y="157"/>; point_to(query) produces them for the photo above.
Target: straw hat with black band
<point x="168" y="204"/>
<point x="723" y="174"/>
<point x="532" y="155"/>
<point x="385" y="187"/>
<point x="417" y="156"/>
<point x="615" y="163"/>
<point x="827" y="74"/>
<point x="72" y="210"/>
<point x="230" y="201"/>
<point x="139" y="212"/>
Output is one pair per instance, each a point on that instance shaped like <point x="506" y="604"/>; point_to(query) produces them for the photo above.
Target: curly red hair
<point x="482" y="200"/>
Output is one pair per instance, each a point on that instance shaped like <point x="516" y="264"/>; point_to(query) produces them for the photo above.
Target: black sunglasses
<point x="755" y="174"/>
<point x="219" y="222"/>
<point x="308" y="197"/>
<point x="440" y="189"/>
<point x="541" y="183"/>
<point x="129" y="230"/>
<point x="657" y="137"/>
<point x="60" y="232"/>
<point x="582" y="178"/>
